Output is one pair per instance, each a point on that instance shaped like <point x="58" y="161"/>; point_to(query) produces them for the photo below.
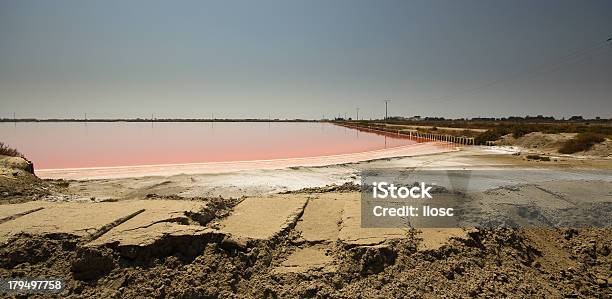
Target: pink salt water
<point x="63" y="145"/>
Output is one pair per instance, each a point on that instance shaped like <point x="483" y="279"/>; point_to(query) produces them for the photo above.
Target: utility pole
<point x="357" y="113"/>
<point x="386" y="111"/>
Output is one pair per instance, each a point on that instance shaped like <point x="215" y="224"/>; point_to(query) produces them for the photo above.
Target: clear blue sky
<point x="304" y="59"/>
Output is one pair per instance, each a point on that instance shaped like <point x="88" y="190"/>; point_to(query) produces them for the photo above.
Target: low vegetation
<point x="582" y="142"/>
<point x="538" y="157"/>
<point x="5" y="150"/>
<point x="520" y="127"/>
<point x="496" y="133"/>
<point x="586" y="134"/>
<point x="491" y="135"/>
<point x="495" y="129"/>
<point x="487" y="132"/>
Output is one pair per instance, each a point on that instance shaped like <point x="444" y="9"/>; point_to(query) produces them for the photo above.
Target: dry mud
<point x="302" y="244"/>
<point x="498" y="263"/>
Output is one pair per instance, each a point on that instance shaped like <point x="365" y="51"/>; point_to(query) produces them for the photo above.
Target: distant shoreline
<point x="147" y="120"/>
<point x="460" y="122"/>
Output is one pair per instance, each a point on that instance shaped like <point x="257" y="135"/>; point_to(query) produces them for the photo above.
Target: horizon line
<point x="576" y="118"/>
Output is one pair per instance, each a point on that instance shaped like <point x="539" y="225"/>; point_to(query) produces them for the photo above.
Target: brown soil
<point x="20" y="186"/>
<point x="346" y="187"/>
<point x="18" y="183"/>
<point x="483" y="263"/>
<point x="498" y="263"/>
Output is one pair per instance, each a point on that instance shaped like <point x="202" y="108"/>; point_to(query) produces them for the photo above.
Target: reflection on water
<point x="72" y="145"/>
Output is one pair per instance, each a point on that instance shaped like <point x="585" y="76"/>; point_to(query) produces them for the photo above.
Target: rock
<point x="232" y="242"/>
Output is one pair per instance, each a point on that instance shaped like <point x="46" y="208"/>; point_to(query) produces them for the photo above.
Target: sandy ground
<point x="282" y="233"/>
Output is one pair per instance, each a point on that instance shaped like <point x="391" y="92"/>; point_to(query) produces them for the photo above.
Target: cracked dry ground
<point x="287" y="245"/>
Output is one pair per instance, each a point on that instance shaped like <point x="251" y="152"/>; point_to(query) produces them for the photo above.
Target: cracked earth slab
<point x="262" y="218"/>
<point x="332" y="217"/>
<point x="160" y="218"/>
<point x="77" y="219"/>
<point x="321" y="217"/>
<point x="88" y="219"/>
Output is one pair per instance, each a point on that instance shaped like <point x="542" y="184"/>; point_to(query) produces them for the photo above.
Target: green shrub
<point x="582" y="142"/>
<point x="520" y="131"/>
<point x="490" y="135"/>
<point x="8" y="151"/>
